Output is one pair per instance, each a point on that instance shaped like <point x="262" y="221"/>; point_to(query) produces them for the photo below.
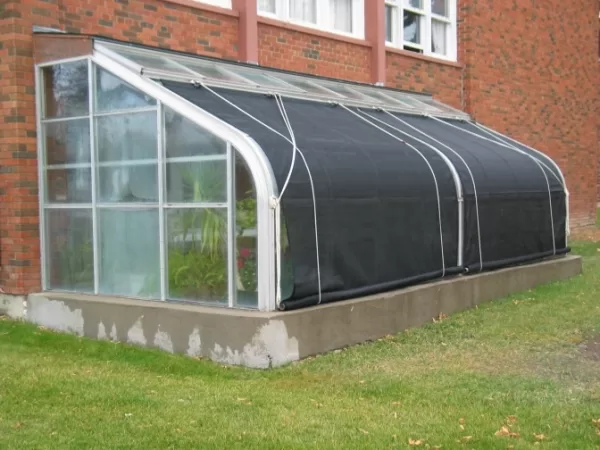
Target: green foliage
<point x="76" y="265"/>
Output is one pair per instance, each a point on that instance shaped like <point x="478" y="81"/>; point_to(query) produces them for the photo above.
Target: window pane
<point x="127" y="137"/>
<point x="197" y="254"/>
<point x="67" y="142"/>
<point x="342" y="15"/>
<point x="246" y="233"/>
<point x="148" y="60"/>
<point x="186" y="139"/>
<point x="197" y="182"/>
<point x="439" y="7"/>
<point x="69" y="185"/>
<point x="414" y="3"/>
<point x="262" y="80"/>
<point x="129" y="252"/>
<point x="128" y="184"/>
<point x="389" y="23"/>
<point x="412" y="27"/>
<point x="113" y="94"/>
<point x="266" y="6"/>
<point x="211" y="71"/>
<point x="66" y="89"/>
<point x="69" y="251"/>
<point x="305" y="10"/>
<point x="438" y="37"/>
<point x="309" y="87"/>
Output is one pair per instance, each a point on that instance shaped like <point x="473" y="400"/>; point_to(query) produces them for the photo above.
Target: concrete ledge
<point x="12" y="306"/>
<point x="263" y="340"/>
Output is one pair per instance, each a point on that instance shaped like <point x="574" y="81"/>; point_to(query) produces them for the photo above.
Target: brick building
<point x="528" y="69"/>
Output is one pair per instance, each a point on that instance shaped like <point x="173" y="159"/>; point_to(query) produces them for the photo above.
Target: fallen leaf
<point x="128" y="414"/>
<point x="467" y="438"/>
<point x="415" y="442"/>
<point x="363" y="431"/>
<point x="241" y="399"/>
<point x="362" y="381"/>
<point x="596" y="421"/>
<point x="539" y="437"/>
<point x="18" y="425"/>
<point x="502" y="432"/>
<point x="396" y="403"/>
<point x="461" y="421"/>
<point x="395" y="415"/>
<point x="511" y="420"/>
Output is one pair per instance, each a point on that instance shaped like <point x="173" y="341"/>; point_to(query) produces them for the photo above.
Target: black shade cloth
<point x="378" y="213"/>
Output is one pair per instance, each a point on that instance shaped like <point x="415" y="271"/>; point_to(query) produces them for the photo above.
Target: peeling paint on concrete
<point x="14" y="306"/>
<point x="270" y="347"/>
<point x="113" y="333"/>
<point x="194" y="344"/>
<point x="163" y="341"/>
<point x="56" y="315"/>
<point x="135" y="335"/>
<point x="101" y="331"/>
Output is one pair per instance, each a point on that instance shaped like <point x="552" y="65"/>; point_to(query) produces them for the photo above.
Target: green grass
<point x="515" y="357"/>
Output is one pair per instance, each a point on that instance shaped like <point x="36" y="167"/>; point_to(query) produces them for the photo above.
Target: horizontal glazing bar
<point x="126" y="111"/>
<point x="441" y="18"/>
<point x="69" y="166"/>
<point x="128" y="163"/>
<point x="199" y="158"/>
<point x="64" y="119"/>
<point x="67" y="206"/>
<point x="194" y="205"/>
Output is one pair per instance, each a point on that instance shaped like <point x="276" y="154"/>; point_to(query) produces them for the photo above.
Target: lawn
<point x="516" y="373"/>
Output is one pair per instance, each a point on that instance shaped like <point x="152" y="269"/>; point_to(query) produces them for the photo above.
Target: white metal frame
<point x="249" y="150"/>
<point x="221" y="3"/>
<point x="426" y="17"/>
<point x="324" y="16"/>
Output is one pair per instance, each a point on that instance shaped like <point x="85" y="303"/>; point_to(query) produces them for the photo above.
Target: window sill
<point x="205" y="7"/>
<point x="312" y="31"/>
<point x="432" y="59"/>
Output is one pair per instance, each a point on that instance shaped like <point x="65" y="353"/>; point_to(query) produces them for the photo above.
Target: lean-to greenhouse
<point x="177" y="178"/>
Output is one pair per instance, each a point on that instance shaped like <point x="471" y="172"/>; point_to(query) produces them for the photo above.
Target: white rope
<point x="277" y="200"/>
<point x="439" y="207"/>
<point x="547" y="184"/>
<point x="542" y="155"/>
<point x="468" y="170"/>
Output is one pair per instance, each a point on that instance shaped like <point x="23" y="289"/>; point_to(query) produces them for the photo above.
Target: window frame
<point x="427" y="18"/>
<point x="220" y="3"/>
<point x="324" y="17"/>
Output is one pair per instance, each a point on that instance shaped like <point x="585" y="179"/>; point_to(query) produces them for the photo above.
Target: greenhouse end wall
<point x="537" y="92"/>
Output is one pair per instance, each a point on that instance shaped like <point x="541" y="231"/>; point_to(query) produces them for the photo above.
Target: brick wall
<point x="528" y="68"/>
<point x="532" y="71"/>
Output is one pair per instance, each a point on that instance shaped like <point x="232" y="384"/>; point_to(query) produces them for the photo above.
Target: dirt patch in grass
<point x="591" y="233"/>
<point x="590" y="349"/>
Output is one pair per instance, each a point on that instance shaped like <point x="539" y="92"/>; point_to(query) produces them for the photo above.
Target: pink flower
<point x="245" y="253"/>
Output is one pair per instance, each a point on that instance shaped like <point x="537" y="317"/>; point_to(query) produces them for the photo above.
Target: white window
<point x="339" y="16"/>
<point x="423" y="26"/>
<point x="221" y="3"/>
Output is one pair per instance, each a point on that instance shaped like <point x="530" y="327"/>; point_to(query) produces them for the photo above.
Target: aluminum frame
<point x="258" y="165"/>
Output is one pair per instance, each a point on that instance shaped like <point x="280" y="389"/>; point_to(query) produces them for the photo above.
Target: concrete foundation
<point x="263" y="340"/>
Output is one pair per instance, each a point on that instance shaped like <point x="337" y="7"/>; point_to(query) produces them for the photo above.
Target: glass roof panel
<point x="159" y="64"/>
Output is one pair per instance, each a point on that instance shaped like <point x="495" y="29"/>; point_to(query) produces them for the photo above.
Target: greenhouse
<point x="169" y="177"/>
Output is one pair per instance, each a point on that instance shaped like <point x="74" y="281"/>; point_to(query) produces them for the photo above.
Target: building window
<point x="338" y="16"/>
<point x="221" y="3"/>
<point x="422" y="26"/>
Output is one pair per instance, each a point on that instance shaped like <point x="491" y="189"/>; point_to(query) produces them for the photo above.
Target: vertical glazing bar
<point x="461" y="231"/>
<point x="161" y="139"/>
<point x="41" y="173"/>
<point x="231" y="243"/>
<point x="95" y="243"/>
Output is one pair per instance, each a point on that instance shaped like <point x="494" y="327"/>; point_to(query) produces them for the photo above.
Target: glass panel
<point x="266" y="6"/>
<point x="66" y="89"/>
<point x="439" y="7"/>
<point x="69" y="185"/>
<point x="69" y="251"/>
<point x="129" y="252"/>
<point x="148" y="60"/>
<point x="412" y="27"/>
<point x="127" y="137"/>
<point x="67" y="142"/>
<point x="389" y="23"/>
<point x="212" y="71"/>
<point x="414" y="3"/>
<point x="438" y="37"/>
<point x="263" y="80"/>
<point x="197" y="254"/>
<point x="186" y="139"/>
<point x="246" y="232"/>
<point x="128" y="184"/>
<point x="342" y="15"/>
<point x="114" y="94"/>
<point x="287" y="268"/>
<point x="309" y="87"/>
<point x="197" y="182"/>
<point x="305" y="10"/>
